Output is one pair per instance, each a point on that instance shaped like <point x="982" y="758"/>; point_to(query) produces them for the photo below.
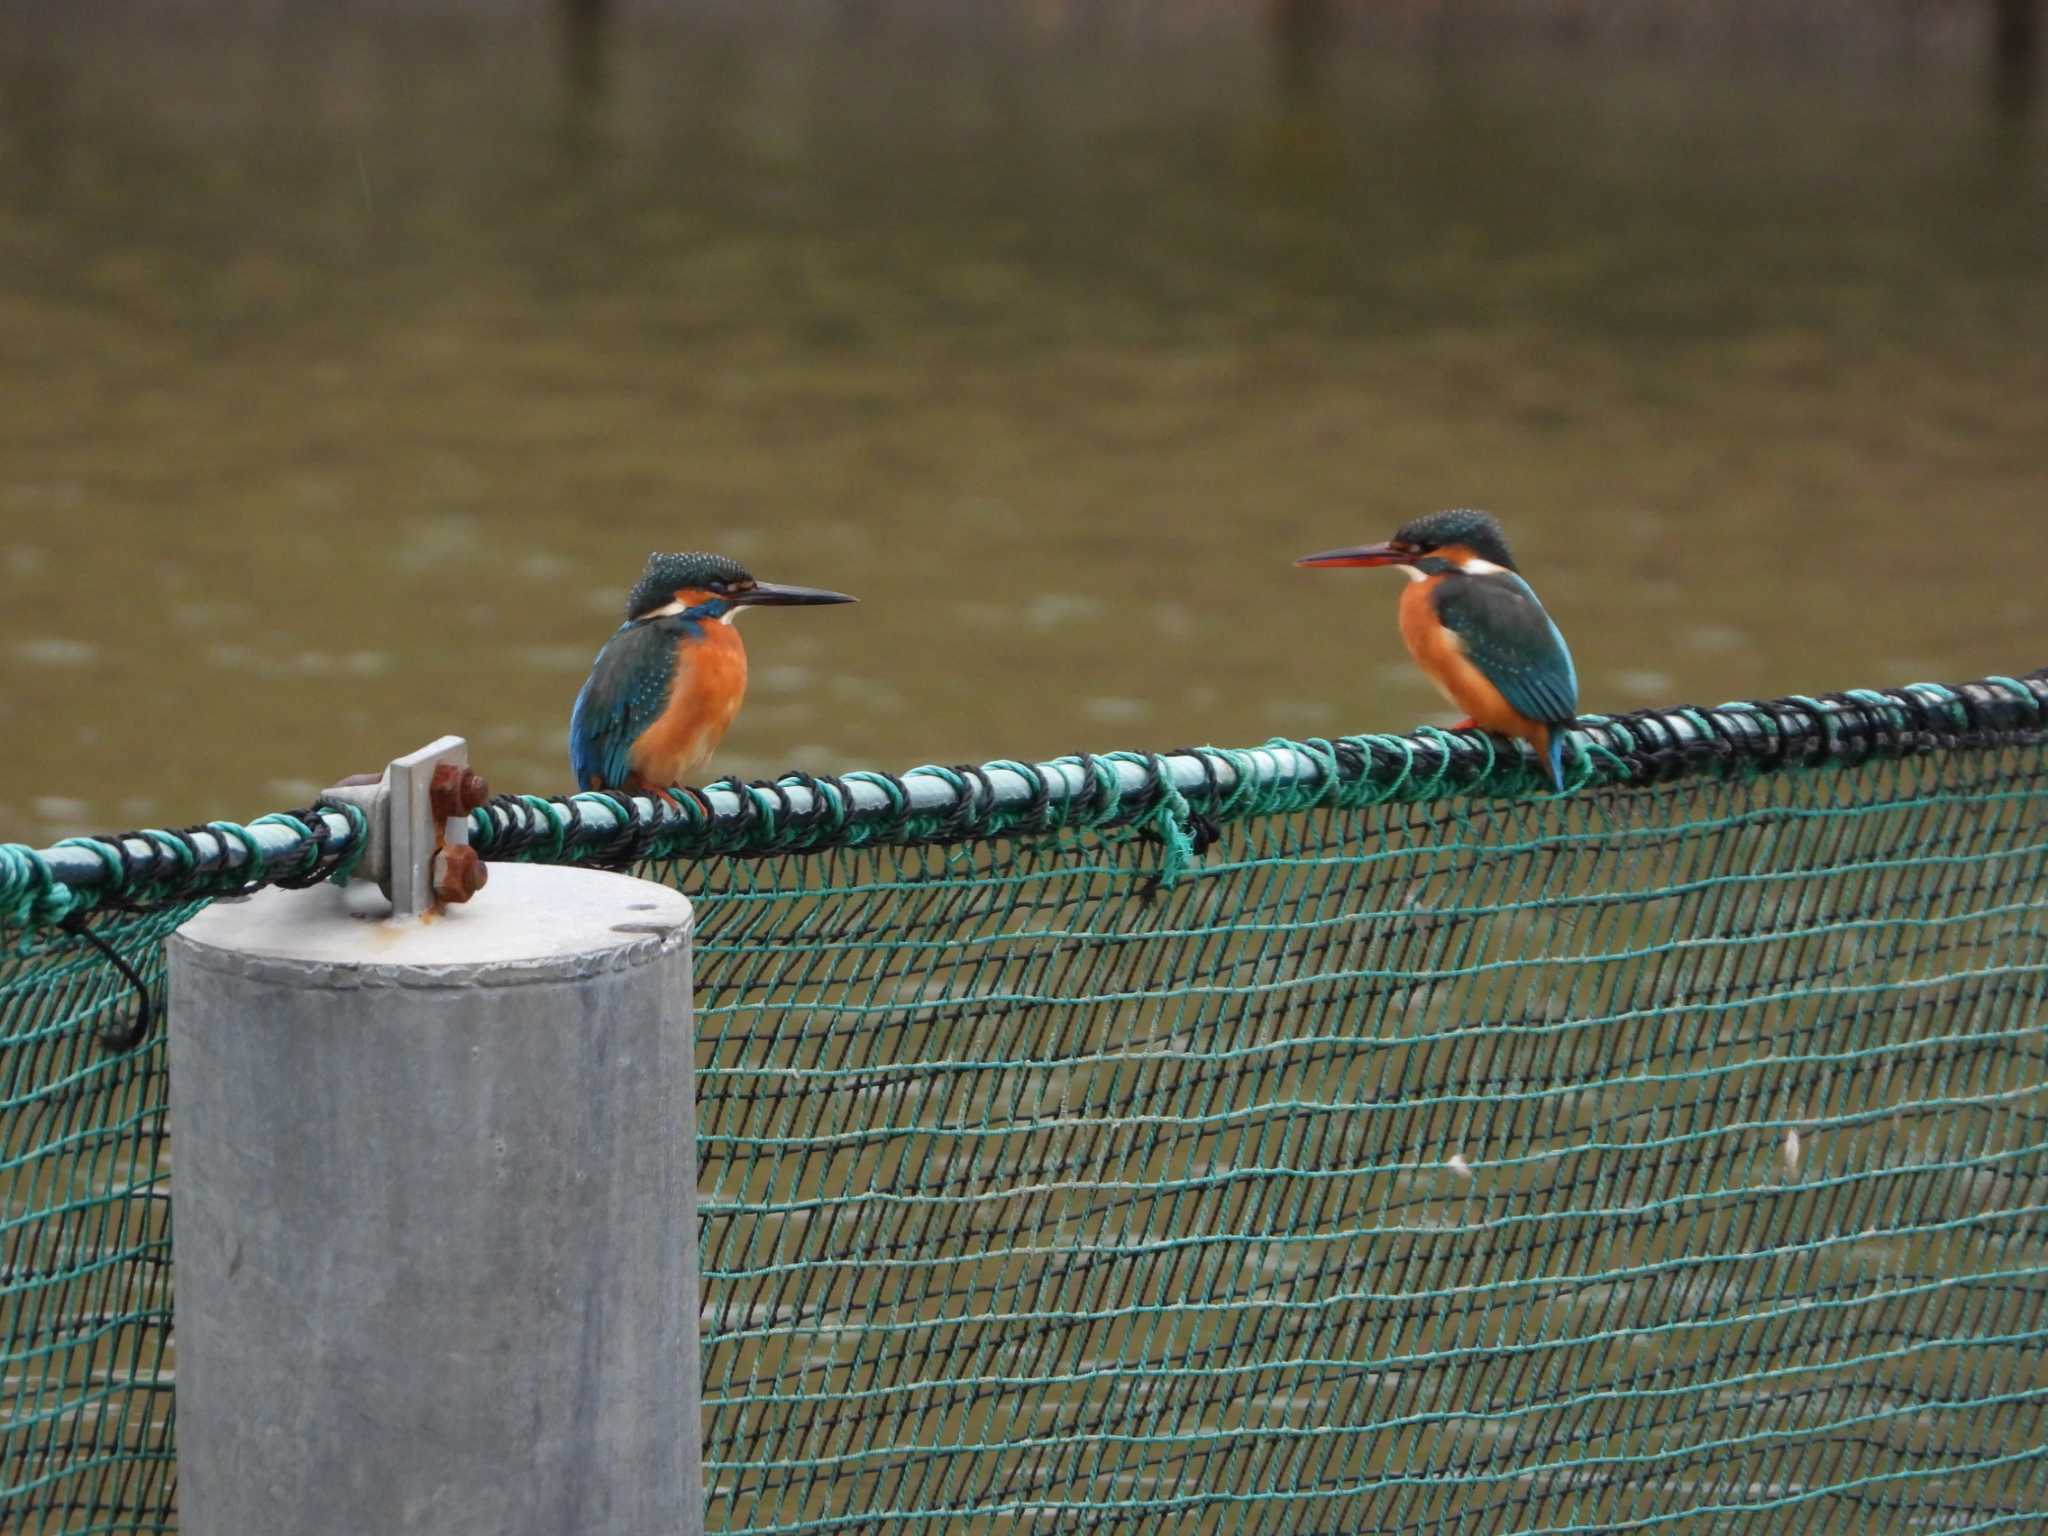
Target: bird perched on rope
<point x="1477" y="629"/>
<point x="669" y="681"/>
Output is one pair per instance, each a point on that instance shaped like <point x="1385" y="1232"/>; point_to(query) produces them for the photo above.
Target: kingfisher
<point x="669" y="681"/>
<point x="1477" y="629"/>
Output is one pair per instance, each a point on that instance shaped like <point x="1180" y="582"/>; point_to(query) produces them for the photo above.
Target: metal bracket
<point x="417" y="811"/>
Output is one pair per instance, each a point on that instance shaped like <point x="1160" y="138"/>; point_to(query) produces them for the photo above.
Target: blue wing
<point x="624" y="694"/>
<point x="1511" y="640"/>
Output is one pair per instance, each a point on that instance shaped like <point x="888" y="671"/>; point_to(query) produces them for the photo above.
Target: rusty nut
<point x="456" y="790"/>
<point x="458" y="874"/>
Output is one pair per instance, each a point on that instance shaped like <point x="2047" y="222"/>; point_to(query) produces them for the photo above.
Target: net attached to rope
<point x="1344" y="1138"/>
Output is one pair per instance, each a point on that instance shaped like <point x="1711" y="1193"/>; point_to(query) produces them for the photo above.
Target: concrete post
<point x="435" y="1214"/>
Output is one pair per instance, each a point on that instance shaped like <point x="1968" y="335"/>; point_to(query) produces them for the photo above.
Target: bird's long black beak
<point x="772" y="594"/>
<point x="1359" y="554"/>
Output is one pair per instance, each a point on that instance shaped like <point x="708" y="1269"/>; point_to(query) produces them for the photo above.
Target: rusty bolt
<point x="456" y="790"/>
<point x="458" y="874"/>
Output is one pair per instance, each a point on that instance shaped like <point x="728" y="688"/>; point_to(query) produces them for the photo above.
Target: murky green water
<point x="348" y="371"/>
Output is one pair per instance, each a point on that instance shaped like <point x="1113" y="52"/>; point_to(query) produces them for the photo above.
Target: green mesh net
<point x="1668" y="1156"/>
<point x="85" y="1254"/>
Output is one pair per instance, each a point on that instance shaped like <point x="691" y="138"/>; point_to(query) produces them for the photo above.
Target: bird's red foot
<point x="1466" y="724"/>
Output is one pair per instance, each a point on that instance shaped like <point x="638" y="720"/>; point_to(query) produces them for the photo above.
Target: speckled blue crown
<point x="667" y="575"/>
<point x="1477" y="531"/>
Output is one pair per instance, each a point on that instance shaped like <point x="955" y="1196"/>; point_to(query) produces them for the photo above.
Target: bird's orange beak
<point x="1359" y="554"/>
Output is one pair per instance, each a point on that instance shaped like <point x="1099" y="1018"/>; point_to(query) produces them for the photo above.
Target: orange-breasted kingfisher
<point x="669" y="681"/>
<point x="1477" y="629"/>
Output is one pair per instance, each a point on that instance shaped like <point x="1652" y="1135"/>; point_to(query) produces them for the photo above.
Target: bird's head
<point x="1460" y="539"/>
<point x="710" y="589"/>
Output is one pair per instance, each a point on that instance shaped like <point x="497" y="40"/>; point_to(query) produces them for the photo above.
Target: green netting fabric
<point x="1509" y="1167"/>
<point x="1668" y="1156"/>
<point x="85" y="1295"/>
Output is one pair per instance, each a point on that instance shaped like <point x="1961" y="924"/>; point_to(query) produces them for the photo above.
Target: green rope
<point x="31" y="896"/>
<point x="1739" y="739"/>
<point x="1735" y="740"/>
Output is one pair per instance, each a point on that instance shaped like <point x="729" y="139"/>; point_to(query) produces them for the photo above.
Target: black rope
<point x="133" y="1034"/>
<point x="324" y="858"/>
<point x="966" y="816"/>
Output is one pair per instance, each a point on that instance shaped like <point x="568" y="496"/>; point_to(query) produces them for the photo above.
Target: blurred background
<point x="353" y="357"/>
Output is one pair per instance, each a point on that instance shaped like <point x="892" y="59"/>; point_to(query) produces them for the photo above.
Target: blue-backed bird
<point x="1477" y="629"/>
<point x="669" y="681"/>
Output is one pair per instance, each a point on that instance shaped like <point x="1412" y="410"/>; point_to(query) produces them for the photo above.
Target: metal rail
<point x="1795" y="728"/>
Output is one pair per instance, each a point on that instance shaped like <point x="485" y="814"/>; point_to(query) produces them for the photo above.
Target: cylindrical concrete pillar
<point x="435" y="1214"/>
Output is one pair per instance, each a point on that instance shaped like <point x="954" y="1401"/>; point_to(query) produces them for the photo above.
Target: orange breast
<point x="710" y="682"/>
<point x="1441" y="655"/>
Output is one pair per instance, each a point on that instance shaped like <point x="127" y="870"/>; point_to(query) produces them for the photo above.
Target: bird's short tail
<point x="1553" y="755"/>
